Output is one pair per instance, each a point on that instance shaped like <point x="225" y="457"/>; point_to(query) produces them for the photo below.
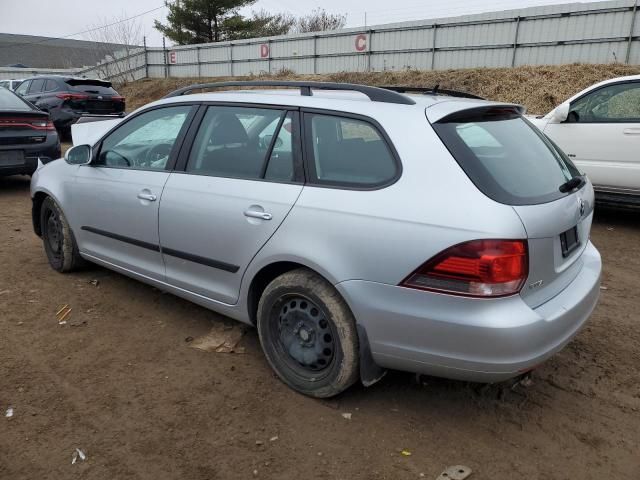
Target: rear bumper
<point x="47" y="151"/>
<point x="470" y="339"/>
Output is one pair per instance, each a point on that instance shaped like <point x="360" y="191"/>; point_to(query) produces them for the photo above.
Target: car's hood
<point x="90" y="132"/>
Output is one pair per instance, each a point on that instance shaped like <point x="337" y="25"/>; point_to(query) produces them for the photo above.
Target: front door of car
<point x="602" y="136"/>
<point x="239" y="181"/>
<point x="115" y="198"/>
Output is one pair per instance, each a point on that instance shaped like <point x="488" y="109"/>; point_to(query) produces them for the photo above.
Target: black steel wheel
<point x="308" y="334"/>
<point x="59" y="243"/>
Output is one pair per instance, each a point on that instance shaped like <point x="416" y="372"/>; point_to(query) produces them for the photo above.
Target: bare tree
<point x="319" y="20"/>
<point x="119" y="40"/>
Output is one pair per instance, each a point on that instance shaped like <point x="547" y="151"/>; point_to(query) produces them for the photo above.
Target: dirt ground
<point x="120" y="382"/>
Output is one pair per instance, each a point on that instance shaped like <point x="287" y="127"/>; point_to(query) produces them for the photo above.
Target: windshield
<point x="506" y="157"/>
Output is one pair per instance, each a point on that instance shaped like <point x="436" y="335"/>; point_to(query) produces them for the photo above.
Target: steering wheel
<point x="156" y="153"/>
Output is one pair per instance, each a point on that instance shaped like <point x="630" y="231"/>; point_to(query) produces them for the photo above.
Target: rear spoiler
<point x="449" y="111"/>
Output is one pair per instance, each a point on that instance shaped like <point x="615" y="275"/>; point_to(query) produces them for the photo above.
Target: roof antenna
<point x="435" y="89"/>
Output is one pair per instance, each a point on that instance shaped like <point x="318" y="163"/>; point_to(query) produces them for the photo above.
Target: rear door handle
<point x="631" y="131"/>
<point x="147" y="196"/>
<point x="257" y="214"/>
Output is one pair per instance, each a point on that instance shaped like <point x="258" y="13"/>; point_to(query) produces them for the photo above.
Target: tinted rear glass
<point x="506" y="157"/>
<point x="90" y="86"/>
<point x="10" y="101"/>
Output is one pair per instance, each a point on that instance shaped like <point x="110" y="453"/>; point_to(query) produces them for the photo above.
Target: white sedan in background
<point x="599" y="129"/>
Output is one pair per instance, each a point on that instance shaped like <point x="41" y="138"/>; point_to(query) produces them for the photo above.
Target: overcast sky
<point x="64" y="17"/>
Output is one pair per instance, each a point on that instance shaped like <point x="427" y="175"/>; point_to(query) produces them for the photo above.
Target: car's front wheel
<point x="308" y="334"/>
<point x="59" y="243"/>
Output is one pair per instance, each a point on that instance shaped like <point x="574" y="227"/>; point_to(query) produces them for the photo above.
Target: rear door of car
<point x="602" y="136"/>
<point x="114" y="200"/>
<point x="238" y="176"/>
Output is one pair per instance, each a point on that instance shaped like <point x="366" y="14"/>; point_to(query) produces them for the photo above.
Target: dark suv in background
<point x="68" y="98"/>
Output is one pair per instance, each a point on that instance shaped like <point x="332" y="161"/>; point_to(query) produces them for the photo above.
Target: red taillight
<point x="38" y="124"/>
<point x="480" y="268"/>
<point x="72" y="96"/>
<point x="117" y="98"/>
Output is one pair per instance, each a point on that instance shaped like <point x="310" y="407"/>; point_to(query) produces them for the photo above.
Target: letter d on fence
<point x="264" y="50"/>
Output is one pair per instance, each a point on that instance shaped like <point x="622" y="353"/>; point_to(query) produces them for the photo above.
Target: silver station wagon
<point x="358" y="228"/>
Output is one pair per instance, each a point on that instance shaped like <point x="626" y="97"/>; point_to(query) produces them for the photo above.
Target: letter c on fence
<point x="264" y="50"/>
<point x="361" y="42"/>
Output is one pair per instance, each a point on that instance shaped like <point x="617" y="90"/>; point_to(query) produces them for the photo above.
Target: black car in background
<point x="26" y="134"/>
<point x="68" y="98"/>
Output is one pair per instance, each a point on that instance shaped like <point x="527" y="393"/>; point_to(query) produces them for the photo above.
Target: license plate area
<point x="11" y="158"/>
<point x="569" y="241"/>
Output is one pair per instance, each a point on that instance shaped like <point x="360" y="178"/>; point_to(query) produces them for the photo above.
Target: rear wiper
<point x="574" y="183"/>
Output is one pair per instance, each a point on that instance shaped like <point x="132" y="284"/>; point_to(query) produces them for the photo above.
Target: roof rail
<point x="375" y="94"/>
<point x="432" y="91"/>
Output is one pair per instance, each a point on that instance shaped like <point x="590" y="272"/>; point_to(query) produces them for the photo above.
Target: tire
<point x="308" y="334"/>
<point x="59" y="242"/>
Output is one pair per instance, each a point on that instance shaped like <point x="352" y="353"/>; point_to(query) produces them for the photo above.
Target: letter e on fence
<point x="264" y="50"/>
<point x="172" y="58"/>
<point x="361" y="42"/>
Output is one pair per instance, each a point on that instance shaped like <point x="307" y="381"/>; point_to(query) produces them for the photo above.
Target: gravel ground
<point x="120" y="382"/>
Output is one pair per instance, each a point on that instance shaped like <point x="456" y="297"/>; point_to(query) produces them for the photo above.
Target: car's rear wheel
<point x="308" y="334"/>
<point x="59" y="243"/>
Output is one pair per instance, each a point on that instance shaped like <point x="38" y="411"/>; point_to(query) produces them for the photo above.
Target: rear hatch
<point x="513" y="163"/>
<point x="94" y="97"/>
<point x="21" y="125"/>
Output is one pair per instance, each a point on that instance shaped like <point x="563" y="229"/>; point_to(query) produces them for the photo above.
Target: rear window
<point x="506" y="157"/>
<point x="90" y="86"/>
<point x="10" y="101"/>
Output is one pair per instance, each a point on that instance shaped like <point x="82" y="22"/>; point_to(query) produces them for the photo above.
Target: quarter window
<point x="36" y="85"/>
<point x="146" y="141"/>
<point x="614" y="103"/>
<point x="348" y="151"/>
<point x="50" y="86"/>
<point x="238" y="142"/>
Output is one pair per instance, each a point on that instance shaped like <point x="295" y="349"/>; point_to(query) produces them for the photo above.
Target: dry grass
<point x="539" y="88"/>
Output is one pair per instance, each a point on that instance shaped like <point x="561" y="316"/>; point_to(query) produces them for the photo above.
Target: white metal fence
<point x="10" y="73"/>
<point x="601" y="32"/>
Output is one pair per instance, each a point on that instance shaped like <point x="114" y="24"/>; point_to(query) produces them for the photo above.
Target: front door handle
<point x="631" y="131"/>
<point x="147" y="196"/>
<point x="257" y="214"/>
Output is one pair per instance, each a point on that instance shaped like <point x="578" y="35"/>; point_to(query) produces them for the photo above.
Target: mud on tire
<point x="308" y="334"/>
<point x="59" y="242"/>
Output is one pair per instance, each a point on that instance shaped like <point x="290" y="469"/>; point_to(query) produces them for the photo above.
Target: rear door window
<point x="505" y="156"/>
<point x="242" y="142"/>
<point x="347" y="151"/>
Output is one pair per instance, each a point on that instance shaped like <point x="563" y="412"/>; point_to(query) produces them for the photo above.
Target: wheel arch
<point x="370" y="372"/>
<point x="36" y="207"/>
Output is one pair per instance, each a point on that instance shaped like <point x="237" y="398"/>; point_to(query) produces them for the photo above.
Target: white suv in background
<point x="599" y="129"/>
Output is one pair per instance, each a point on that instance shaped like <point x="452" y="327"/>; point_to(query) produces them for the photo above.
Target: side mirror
<point x="561" y="112"/>
<point x="78" y="155"/>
